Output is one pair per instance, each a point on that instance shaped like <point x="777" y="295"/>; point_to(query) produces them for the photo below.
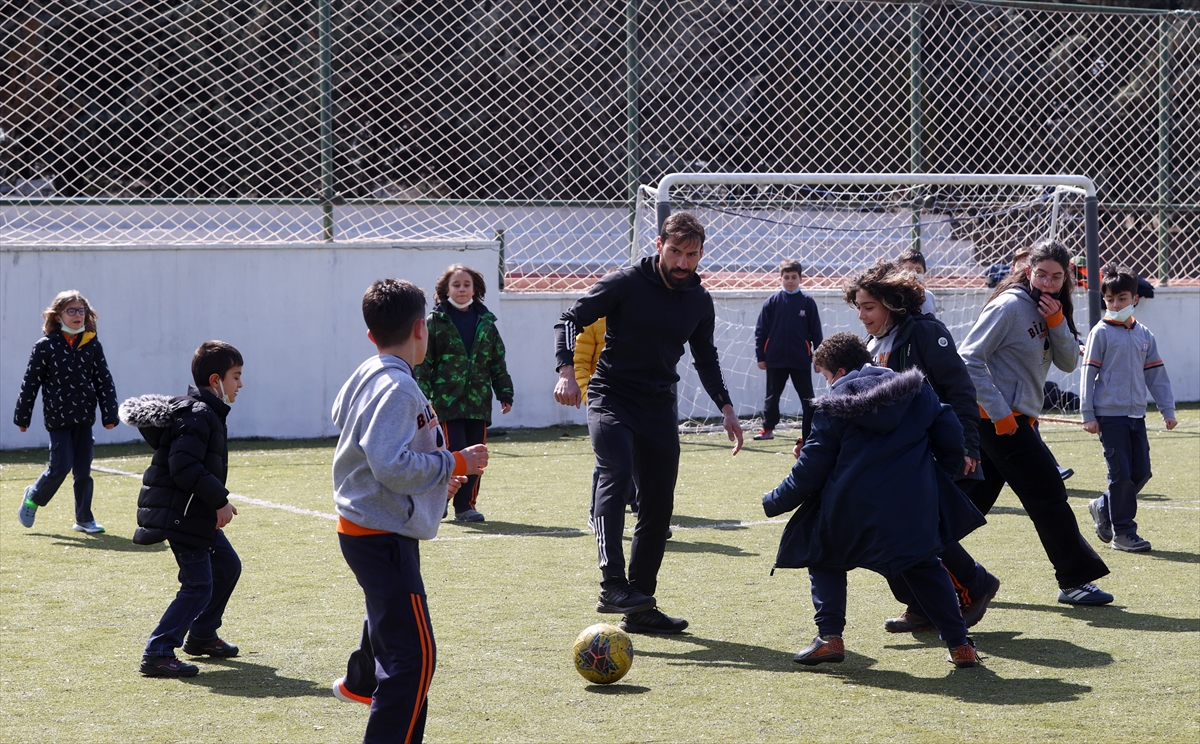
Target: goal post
<point x="917" y="185"/>
<point x="967" y="227"/>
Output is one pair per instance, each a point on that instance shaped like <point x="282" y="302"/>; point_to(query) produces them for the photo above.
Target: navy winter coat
<point x="185" y="484"/>
<point x="873" y="481"/>
<point x="924" y="342"/>
<point x="787" y="331"/>
<point x="73" y="380"/>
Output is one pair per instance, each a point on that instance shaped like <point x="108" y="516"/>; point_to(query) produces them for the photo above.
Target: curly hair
<point x="684" y="227"/>
<point x="843" y="350"/>
<point x="898" y="289"/>
<point x="441" y="290"/>
<point x="1045" y="249"/>
<point x="50" y="319"/>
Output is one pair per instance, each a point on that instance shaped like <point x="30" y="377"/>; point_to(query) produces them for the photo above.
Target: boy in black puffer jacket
<point x="184" y="501"/>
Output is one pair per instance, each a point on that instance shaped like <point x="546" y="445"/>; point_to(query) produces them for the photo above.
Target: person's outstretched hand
<point x="733" y="427"/>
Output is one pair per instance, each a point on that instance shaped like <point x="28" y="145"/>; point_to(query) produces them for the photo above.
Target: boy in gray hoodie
<point x="1121" y="363"/>
<point x="392" y="477"/>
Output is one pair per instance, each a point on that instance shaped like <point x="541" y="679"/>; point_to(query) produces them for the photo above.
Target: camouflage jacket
<point x="458" y="386"/>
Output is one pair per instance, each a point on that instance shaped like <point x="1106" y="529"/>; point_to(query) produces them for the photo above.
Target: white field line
<point x="544" y="533"/>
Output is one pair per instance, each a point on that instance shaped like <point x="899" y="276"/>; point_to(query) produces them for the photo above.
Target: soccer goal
<point x="966" y="226"/>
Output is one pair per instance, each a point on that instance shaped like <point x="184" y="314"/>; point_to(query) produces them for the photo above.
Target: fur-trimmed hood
<point x="152" y="410"/>
<point x="873" y="397"/>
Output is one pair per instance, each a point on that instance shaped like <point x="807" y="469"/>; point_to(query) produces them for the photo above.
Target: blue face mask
<point x="1120" y="316"/>
<point x="791" y="291"/>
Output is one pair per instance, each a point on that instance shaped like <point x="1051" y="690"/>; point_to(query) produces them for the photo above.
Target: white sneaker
<point x="89" y="527"/>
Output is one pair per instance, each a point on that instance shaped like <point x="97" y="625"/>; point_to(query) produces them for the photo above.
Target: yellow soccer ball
<point x="603" y="653"/>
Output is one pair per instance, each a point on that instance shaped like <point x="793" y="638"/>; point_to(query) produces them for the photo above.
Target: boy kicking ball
<point x="873" y="488"/>
<point x="1121" y="363"/>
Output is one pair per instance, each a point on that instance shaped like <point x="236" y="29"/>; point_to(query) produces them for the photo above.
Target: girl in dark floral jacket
<point x="68" y="366"/>
<point x="463" y="365"/>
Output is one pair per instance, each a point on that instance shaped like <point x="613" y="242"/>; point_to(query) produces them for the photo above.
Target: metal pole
<point x="1091" y="242"/>
<point x="500" y="241"/>
<point x="633" y="175"/>
<point x="1164" y="148"/>
<point x="916" y="161"/>
<point x="325" y="104"/>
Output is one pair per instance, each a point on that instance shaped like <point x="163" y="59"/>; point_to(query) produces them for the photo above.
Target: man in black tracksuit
<point x="652" y="308"/>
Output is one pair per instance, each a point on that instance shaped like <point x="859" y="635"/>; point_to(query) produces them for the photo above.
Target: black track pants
<point x="1025" y="463"/>
<point x="633" y="452"/>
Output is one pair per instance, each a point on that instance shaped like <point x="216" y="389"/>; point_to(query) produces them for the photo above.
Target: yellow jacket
<point x="588" y="346"/>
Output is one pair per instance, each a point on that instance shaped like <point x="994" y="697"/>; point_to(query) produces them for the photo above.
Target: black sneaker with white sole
<point x="167" y="666"/>
<point x="620" y="598"/>
<point x="653" y="621"/>
<point x="210" y="647"/>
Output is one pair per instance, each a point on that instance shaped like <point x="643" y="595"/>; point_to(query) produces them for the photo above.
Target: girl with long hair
<point x="1027" y="325"/>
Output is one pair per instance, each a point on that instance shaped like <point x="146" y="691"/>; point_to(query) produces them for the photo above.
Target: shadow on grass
<point x="1111" y="616"/>
<point x="975" y="685"/>
<point x="724" y="654"/>
<point x="246" y="679"/>
<point x="103" y="541"/>
<point x="1174" y="555"/>
<point x="1045" y="652"/>
<point x="679" y="520"/>
<point x="682" y="546"/>
<point x="616" y="689"/>
<point x="520" y="530"/>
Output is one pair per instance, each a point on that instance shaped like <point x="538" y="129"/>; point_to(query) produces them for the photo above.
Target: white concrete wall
<point x="295" y="314"/>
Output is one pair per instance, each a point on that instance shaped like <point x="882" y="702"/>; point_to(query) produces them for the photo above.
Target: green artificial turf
<point x="508" y="597"/>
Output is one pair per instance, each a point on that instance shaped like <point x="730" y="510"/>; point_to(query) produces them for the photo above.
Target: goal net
<point x="967" y="228"/>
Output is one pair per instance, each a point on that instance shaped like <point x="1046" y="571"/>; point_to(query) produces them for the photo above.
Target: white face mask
<point x="460" y="307"/>
<point x="221" y="392"/>
<point x="1120" y="316"/>
<point x="68" y="329"/>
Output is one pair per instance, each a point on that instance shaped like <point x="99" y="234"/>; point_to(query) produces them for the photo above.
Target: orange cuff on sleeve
<point x="460" y="464"/>
<point x="1054" y="321"/>
<point x="1007" y="425"/>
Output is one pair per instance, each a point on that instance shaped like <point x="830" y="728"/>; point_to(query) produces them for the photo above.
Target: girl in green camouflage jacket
<point x="463" y="365"/>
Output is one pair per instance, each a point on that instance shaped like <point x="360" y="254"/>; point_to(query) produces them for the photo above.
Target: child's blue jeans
<point x="1127" y="452"/>
<point x="206" y="581"/>
<point x="70" y="450"/>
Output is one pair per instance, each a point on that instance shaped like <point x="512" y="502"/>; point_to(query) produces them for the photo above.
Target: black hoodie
<point x="648" y="323"/>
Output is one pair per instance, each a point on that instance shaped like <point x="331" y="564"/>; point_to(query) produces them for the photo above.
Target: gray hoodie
<point x="1120" y="364"/>
<point x="390" y="469"/>
<point x="1009" y="352"/>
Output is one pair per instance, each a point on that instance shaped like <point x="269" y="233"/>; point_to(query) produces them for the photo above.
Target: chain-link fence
<point x="533" y="122"/>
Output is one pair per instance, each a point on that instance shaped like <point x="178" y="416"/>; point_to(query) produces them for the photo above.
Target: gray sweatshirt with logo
<point x="1009" y="352"/>
<point x="1119" y="366"/>
<point x="390" y="469"/>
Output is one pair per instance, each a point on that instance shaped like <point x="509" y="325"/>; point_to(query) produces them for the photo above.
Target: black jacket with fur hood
<point x="872" y="487"/>
<point x="185" y="484"/>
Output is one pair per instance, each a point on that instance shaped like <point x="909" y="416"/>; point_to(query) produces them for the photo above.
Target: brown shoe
<point x="822" y="650"/>
<point x="908" y="622"/>
<point x="964" y="656"/>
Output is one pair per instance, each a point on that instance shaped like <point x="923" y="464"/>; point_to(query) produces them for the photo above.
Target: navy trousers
<point x="928" y="581"/>
<point x="637" y="452"/>
<point x="70" y="451"/>
<point x="1127" y="452"/>
<point x="460" y="434"/>
<point x="398" y="641"/>
<point x="207" y="579"/>
<point x="777" y="379"/>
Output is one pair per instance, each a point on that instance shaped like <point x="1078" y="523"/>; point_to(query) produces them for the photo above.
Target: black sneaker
<point x="619" y="598"/>
<point x="167" y="666"/>
<point x="653" y="621"/>
<point x="211" y="647"/>
<point x="973" y="612"/>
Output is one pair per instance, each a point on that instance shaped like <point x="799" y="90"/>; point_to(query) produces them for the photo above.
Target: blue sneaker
<point x="28" y="511"/>
<point x="89" y="527"/>
<point x="1084" y="594"/>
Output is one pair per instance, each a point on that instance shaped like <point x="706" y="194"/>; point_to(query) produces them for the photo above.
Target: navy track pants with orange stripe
<point x="399" y="634"/>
